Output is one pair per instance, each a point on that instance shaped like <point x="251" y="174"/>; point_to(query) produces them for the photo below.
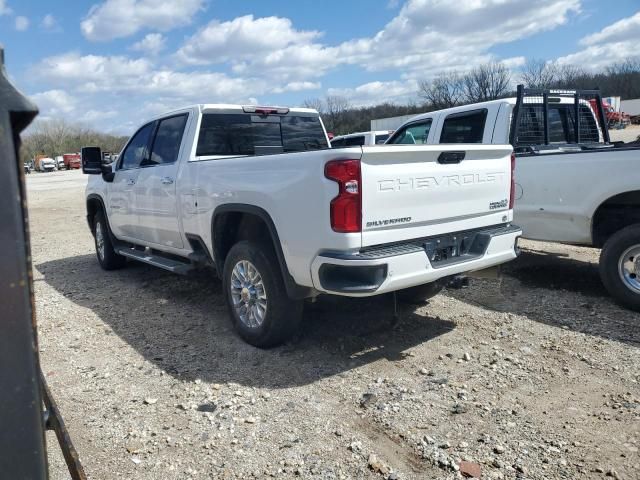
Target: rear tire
<point x="620" y="266"/>
<point x="261" y="311"/>
<point x="107" y="256"/>
<point x="421" y="293"/>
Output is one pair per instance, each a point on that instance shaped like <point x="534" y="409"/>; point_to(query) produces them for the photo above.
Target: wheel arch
<point x="614" y="214"/>
<point x="95" y="203"/>
<point x="236" y="221"/>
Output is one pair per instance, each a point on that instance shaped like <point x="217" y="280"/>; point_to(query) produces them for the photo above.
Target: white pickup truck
<point x="374" y="137"/>
<point x="258" y="193"/>
<point x="573" y="185"/>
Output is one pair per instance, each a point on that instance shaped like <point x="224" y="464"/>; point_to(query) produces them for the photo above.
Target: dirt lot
<point x="532" y="377"/>
<point x="629" y="134"/>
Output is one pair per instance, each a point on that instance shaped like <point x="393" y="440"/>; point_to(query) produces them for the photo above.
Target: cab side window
<point x="137" y="149"/>
<point x="338" y="143"/>
<point x="465" y="127"/>
<point x="414" y="134"/>
<point x="166" y="144"/>
<point x="355" y="141"/>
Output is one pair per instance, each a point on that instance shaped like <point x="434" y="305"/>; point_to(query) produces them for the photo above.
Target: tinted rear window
<point x="381" y="138"/>
<point x="466" y="127"/>
<point x="245" y="134"/>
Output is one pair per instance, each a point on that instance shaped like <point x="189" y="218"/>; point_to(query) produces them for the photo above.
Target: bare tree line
<point x="618" y="79"/>
<point x="485" y="82"/>
<point x="56" y="137"/>
<point x="494" y="80"/>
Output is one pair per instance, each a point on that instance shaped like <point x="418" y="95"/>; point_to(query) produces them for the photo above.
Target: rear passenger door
<point x="156" y="200"/>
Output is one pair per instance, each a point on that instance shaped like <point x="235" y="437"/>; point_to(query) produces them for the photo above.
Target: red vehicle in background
<point x="614" y="118"/>
<point x="71" y="160"/>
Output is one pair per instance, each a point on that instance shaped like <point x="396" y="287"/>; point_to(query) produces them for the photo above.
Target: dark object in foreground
<point x="26" y="406"/>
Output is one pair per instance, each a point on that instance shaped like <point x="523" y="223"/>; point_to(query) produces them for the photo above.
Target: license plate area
<point x="455" y="248"/>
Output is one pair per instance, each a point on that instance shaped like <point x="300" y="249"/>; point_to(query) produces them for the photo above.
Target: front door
<point x="155" y="192"/>
<point x="123" y="218"/>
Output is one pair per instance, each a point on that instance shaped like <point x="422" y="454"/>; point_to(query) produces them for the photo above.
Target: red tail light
<point x="513" y="181"/>
<point x="346" y="208"/>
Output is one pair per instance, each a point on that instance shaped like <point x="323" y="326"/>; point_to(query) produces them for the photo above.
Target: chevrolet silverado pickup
<point x="573" y="186"/>
<point x="258" y="194"/>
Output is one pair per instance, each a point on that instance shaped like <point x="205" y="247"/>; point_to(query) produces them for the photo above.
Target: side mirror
<point x="91" y="160"/>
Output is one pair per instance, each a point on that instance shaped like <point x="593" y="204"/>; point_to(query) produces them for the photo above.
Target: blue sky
<point x="112" y="64"/>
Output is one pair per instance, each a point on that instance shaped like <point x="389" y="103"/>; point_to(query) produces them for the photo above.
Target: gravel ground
<point x="629" y="134"/>
<point x="531" y="377"/>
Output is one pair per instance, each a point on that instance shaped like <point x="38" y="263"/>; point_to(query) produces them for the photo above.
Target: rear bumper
<point x="394" y="267"/>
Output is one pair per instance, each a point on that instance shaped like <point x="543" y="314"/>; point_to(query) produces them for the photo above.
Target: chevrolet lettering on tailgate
<point x="417" y="183"/>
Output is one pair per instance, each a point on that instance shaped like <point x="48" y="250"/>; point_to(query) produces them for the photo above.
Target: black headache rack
<point x="27" y="408"/>
<point x="539" y="114"/>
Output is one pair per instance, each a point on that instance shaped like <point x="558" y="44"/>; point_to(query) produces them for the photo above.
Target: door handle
<point x="166" y="180"/>
<point x="451" y="157"/>
<point x="131" y="181"/>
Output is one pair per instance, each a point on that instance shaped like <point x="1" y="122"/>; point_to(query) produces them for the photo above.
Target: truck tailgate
<point x="412" y="191"/>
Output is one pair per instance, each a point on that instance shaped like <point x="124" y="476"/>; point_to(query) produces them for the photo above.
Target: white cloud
<point x="242" y="38"/>
<point x="95" y="72"/>
<point x="4" y="8"/>
<point x="374" y="93"/>
<point x="50" y="23"/>
<point x="151" y="44"/>
<point x="615" y="43"/>
<point x="513" y="62"/>
<point x="22" y="23"/>
<point x="117" y="75"/>
<point x="621" y="30"/>
<point x="298" y="87"/>
<point x="54" y="103"/>
<point x="122" y="18"/>
<point x="423" y="36"/>
<point x="422" y="40"/>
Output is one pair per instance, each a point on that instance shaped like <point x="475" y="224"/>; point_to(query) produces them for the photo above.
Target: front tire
<point x="620" y="266"/>
<point x="261" y="311"/>
<point x="107" y="256"/>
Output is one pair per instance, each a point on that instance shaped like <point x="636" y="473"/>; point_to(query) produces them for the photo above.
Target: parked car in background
<point x="257" y="193"/>
<point x="573" y="185"/>
<point x="71" y="160"/>
<point x="59" y="162"/>
<point x="27" y="167"/>
<point x="361" y="138"/>
<point x="45" y="164"/>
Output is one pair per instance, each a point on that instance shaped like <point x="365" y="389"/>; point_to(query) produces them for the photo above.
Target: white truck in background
<point x="573" y="185"/>
<point x="377" y="137"/>
<point x="258" y="193"/>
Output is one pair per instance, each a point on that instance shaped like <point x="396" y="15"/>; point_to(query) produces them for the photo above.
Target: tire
<point x="279" y="319"/>
<point x="421" y="293"/>
<point x="620" y="266"/>
<point x="107" y="256"/>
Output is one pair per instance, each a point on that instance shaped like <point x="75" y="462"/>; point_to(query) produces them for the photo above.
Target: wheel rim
<point x="100" y="240"/>
<point x="629" y="268"/>
<point x="248" y="294"/>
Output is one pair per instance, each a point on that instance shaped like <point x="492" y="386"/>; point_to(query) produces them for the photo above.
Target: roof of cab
<point x="202" y="107"/>
<point x="477" y="106"/>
